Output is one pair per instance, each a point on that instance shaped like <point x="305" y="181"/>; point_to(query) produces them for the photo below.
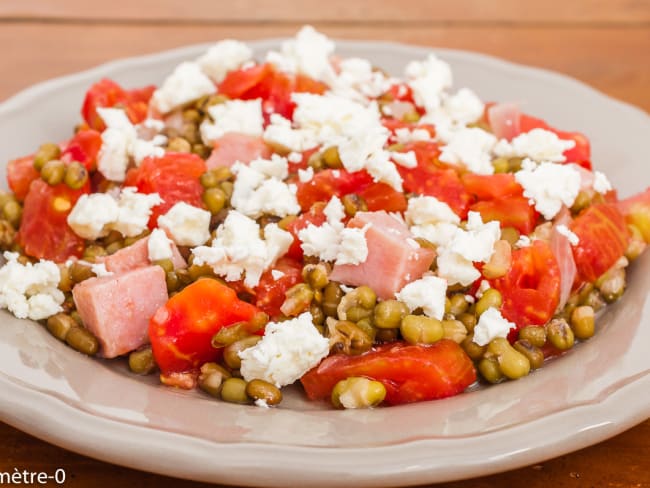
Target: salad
<point x="306" y="218"/>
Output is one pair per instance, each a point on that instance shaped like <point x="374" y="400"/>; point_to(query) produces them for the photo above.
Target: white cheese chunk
<point x="549" y="186"/>
<point x="30" y="290"/>
<point x="573" y="239"/>
<point x="224" y="56"/>
<point x="455" y="268"/>
<point x="308" y="53"/>
<point x="407" y="159"/>
<point x="280" y="133"/>
<point x="358" y="81"/>
<point x="159" y="246"/>
<point x="491" y="325"/>
<point x="305" y="175"/>
<point x="243" y="116"/>
<point x="472" y="148"/>
<point x="100" y="269"/>
<point x="92" y="214"/>
<point x="477" y="242"/>
<point x="429" y="79"/>
<point x="259" y="188"/>
<point x="538" y="145"/>
<point x="185" y="84"/>
<point x="239" y="250"/>
<point x="286" y="352"/>
<point x="428" y="293"/>
<point x="601" y="183"/>
<point x="113" y="157"/>
<point x="429" y="210"/>
<point x="404" y="135"/>
<point x="464" y="107"/>
<point x="186" y="224"/>
<point x="134" y="210"/>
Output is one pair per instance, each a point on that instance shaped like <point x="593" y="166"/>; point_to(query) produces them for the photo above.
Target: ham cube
<point x="117" y="308"/>
<point x="233" y="147"/>
<point x="137" y="256"/>
<point x="394" y="257"/>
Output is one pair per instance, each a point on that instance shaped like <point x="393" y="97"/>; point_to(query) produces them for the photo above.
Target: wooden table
<point x="604" y="43"/>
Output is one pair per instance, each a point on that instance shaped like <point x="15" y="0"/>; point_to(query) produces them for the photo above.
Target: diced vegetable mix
<point x="247" y="225"/>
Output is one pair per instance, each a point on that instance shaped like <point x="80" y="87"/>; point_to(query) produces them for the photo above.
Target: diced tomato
<point x="580" y="153"/>
<point x="270" y="292"/>
<point x="490" y="187"/>
<point x="20" y="174"/>
<point x="531" y="288"/>
<point x="410" y="373"/>
<point x="328" y="183"/>
<point x="44" y="232"/>
<point x="636" y="210"/>
<point x="603" y="238"/>
<point x="513" y="211"/>
<point x="381" y="196"/>
<point x="181" y="330"/>
<point x="314" y="216"/>
<point x="107" y="93"/>
<point x="273" y="87"/>
<point x="175" y="177"/>
<point x="83" y="147"/>
<point x="431" y="177"/>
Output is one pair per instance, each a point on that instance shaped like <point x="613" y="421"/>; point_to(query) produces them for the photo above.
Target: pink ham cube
<point x="117" y="308"/>
<point x="233" y="147"/>
<point x="394" y="257"/>
<point x="136" y="256"/>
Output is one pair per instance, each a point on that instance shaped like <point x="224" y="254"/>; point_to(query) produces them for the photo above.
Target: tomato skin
<point x="513" y="211"/>
<point x="174" y="176"/>
<point x="314" y="216"/>
<point x="580" y="153"/>
<point x="84" y="148"/>
<point x="272" y="86"/>
<point x="636" y="210"/>
<point x="328" y="183"/>
<point x="382" y="196"/>
<point x="20" y="174"/>
<point x="44" y="232"/>
<point x="181" y="330"/>
<point x="603" y="238"/>
<point x="107" y="93"/>
<point x="410" y="373"/>
<point x="270" y="292"/>
<point x="431" y="177"/>
<point x="531" y="288"/>
<point x="491" y="187"/>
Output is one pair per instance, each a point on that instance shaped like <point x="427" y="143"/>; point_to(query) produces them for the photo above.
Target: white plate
<point x="98" y="409"/>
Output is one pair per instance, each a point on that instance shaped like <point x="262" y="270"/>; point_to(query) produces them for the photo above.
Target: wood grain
<point x="605" y="43"/>
<point x="336" y="11"/>
<point x="610" y="59"/>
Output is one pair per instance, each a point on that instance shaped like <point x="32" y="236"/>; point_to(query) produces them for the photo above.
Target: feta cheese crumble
<point x="240" y="116"/>
<point x="464" y="107"/>
<point x="224" y="56"/>
<point x="472" y="148"/>
<point x="186" y="83"/>
<point x="491" y="325"/>
<point x="429" y="79"/>
<point x="259" y="188"/>
<point x="538" y="145"/>
<point x="30" y="290"/>
<point x="286" y="352"/>
<point x="186" y="224"/>
<point x="96" y="214"/>
<point x="407" y="159"/>
<point x="308" y="53"/>
<point x="332" y="241"/>
<point x="601" y="183"/>
<point x="566" y="232"/>
<point x="428" y="293"/>
<point x="239" y="250"/>
<point x="549" y="186"/>
<point x="159" y="246"/>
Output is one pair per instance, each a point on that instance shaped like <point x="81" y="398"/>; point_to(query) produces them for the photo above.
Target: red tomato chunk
<point x="410" y="373"/>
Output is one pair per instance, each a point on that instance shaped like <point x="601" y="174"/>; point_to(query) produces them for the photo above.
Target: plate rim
<point x="95" y="445"/>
